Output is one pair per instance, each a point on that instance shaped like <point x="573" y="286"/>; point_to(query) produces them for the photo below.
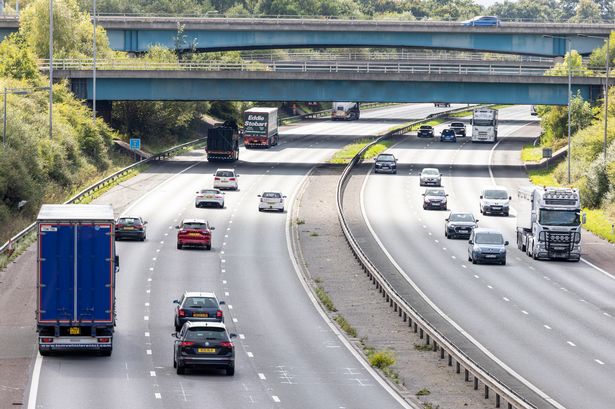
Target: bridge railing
<point x="305" y="66"/>
<point x="16" y="239"/>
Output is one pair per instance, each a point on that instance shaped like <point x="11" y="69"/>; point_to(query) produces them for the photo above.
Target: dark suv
<point x="204" y="345"/>
<point x="459" y="128"/>
<point x="132" y="227"/>
<point x="425" y="131"/>
<point x="385" y="162"/>
<point x="197" y="306"/>
<point x="459" y="224"/>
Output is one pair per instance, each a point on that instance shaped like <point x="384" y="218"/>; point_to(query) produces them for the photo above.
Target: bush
<point x="382" y="359"/>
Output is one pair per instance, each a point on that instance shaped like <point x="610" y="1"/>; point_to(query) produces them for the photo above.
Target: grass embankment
<point x="348" y="152"/>
<point x="531" y="153"/>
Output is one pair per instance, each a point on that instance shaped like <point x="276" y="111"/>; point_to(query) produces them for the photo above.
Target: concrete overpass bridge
<point x="321" y="82"/>
<point x="138" y="33"/>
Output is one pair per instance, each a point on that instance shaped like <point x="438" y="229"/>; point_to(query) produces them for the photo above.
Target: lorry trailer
<point x="260" y="127"/>
<point x="549" y="222"/>
<point x="345" y="111"/>
<point x="223" y="142"/>
<point x="77" y="265"/>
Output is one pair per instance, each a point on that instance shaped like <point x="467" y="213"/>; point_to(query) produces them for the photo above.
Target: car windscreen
<point x="426" y="128"/>
<point x="129" y="220"/>
<point x="559" y="217"/>
<point x="489" y="238"/>
<point x="431" y="172"/>
<point x="435" y="193"/>
<point x="224" y="174"/>
<point x="206" y="334"/>
<point x="496" y="194"/>
<point x="457" y="125"/>
<point x="461" y="217"/>
<point x="194" y="226"/>
<point x="385" y="158"/>
<point x="448" y="132"/>
<point x="209" y="192"/>
<point x="271" y="195"/>
<point x="200" y="302"/>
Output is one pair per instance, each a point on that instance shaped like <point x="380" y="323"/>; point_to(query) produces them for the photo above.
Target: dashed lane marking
<point x="599" y="361"/>
<point x="275" y="399"/>
<point x="250" y="354"/>
<point x="152" y="373"/>
<point x="572" y="344"/>
<point x="148" y="351"/>
<point x="158" y="395"/>
<point x="546" y="326"/>
<point x="262" y="376"/>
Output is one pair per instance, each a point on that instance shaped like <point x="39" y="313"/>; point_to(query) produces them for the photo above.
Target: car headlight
<point x="502" y="250"/>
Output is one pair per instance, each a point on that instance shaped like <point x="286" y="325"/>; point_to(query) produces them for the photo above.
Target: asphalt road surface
<point x="286" y="354"/>
<point x="550" y="322"/>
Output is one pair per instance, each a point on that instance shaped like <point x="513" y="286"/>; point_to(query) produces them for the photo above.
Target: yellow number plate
<point x="74" y="330"/>
<point x="200" y="315"/>
<point x="206" y="350"/>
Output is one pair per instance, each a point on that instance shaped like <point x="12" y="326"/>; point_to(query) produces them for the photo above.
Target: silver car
<point x="430" y="177"/>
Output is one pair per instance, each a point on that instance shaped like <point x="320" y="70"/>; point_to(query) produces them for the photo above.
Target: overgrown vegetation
<point x="348" y="152"/>
<point x="324" y="298"/>
<point x="345" y="326"/>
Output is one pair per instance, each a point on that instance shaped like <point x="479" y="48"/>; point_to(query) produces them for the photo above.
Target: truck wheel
<point x="106" y="351"/>
<point x="208" y="247"/>
<point x="179" y="246"/>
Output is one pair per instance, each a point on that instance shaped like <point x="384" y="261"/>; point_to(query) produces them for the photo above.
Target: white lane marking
<point x="223" y="270"/>
<point x="147" y="334"/>
<point x="505" y="299"/>
<point x="223" y="281"/>
<point x="250" y="354"/>
<point x="436" y="240"/>
<point x="599" y="361"/>
<point x="152" y="373"/>
<point x="222" y="252"/>
<point x="453" y="257"/>
<point x="546" y="278"/>
<point x="563" y="289"/>
<point x="145" y="318"/>
<point x="228" y="229"/>
<point x="475" y="276"/>
<point x="546" y="326"/>
<point x="262" y="376"/>
<point x="572" y="344"/>
<point x="235" y="320"/>
<point x="224" y="243"/>
<point x="606" y="273"/>
<point x="226" y="293"/>
<point x="230" y="307"/>
<point x="148" y="351"/>
<point x="161" y="241"/>
<point x="226" y="236"/>
<point x="157" y="250"/>
<point x="489" y="287"/>
<point x="368" y="368"/>
<point x="147" y="304"/>
<point x="525" y="312"/>
<point x="275" y="399"/>
<point x="242" y="336"/>
<point x="606" y="314"/>
<point x="148" y="291"/>
<point x="158" y="395"/>
<point x="463" y="265"/>
<point x="153" y="258"/>
<point x="36" y="373"/>
<point x="149" y="279"/>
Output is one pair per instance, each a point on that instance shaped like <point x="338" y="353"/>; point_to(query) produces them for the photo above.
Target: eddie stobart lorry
<point x="77" y="266"/>
<point x="549" y="223"/>
<point x="260" y="127"/>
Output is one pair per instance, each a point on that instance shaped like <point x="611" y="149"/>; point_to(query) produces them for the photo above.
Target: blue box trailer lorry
<point x="77" y="265"/>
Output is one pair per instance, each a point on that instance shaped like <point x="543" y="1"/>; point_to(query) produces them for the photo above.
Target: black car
<point x="197" y="306"/>
<point x="204" y="345"/>
<point x="425" y="131"/>
<point x="459" y="128"/>
<point x="385" y="162"/>
<point x="459" y="224"/>
<point x="132" y="227"/>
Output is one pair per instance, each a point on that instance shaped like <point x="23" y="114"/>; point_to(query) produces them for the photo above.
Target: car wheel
<point x="180" y="369"/>
<point x="208" y="247"/>
<point x="143" y="238"/>
<point x="230" y="371"/>
<point x="179" y="246"/>
<point x="504" y="262"/>
<point x="506" y="214"/>
<point x="222" y="205"/>
<point x="174" y="363"/>
<point x="474" y="261"/>
<point x="260" y="210"/>
<point x="446" y="234"/>
<point x="44" y="352"/>
<point x="469" y="258"/>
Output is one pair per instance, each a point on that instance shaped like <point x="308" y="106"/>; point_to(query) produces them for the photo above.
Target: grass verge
<point x="345" y="326"/>
<point x="345" y="155"/>
<point x="531" y="153"/>
<point x="325" y="299"/>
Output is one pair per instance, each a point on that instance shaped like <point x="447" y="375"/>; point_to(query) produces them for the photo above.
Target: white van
<point x="495" y="200"/>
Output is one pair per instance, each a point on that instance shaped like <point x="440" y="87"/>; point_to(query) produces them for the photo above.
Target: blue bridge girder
<point x="138" y="34"/>
<point x="323" y="86"/>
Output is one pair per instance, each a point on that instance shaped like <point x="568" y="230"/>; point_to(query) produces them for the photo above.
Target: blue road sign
<point x="135" y="143"/>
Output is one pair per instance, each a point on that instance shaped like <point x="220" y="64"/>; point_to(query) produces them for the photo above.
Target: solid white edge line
<point x="36" y="373"/>
<point x="606" y="273"/>
<point x="393" y="393"/>
<point x="443" y="315"/>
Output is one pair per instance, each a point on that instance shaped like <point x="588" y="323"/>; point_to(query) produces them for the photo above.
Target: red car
<point x="194" y="232"/>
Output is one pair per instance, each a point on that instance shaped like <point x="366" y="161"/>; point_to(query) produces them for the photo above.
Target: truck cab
<point x="345" y="111"/>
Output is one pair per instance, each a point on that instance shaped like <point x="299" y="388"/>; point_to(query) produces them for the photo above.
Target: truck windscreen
<point x="559" y="217"/>
<point x="483" y="122"/>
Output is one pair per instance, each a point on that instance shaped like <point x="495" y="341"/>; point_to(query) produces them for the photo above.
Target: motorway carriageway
<point x="551" y="322"/>
<point x="286" y="353"/>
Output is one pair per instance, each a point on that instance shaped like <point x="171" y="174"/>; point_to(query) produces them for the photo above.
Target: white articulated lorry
<point x="485" y="125"/>
<point x="549" y="222"/>
<point x="346" y="111"/>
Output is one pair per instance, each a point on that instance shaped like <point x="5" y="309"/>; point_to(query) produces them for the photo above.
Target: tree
<point x="597" y="59"/>
<point x="587" y="12"/>
<point x="72" y="35"/>
<point x="567" y="8"/>
<point x="16" y="59"/>
<point x="576" y="66"/>
<point x="538" y="10"/>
